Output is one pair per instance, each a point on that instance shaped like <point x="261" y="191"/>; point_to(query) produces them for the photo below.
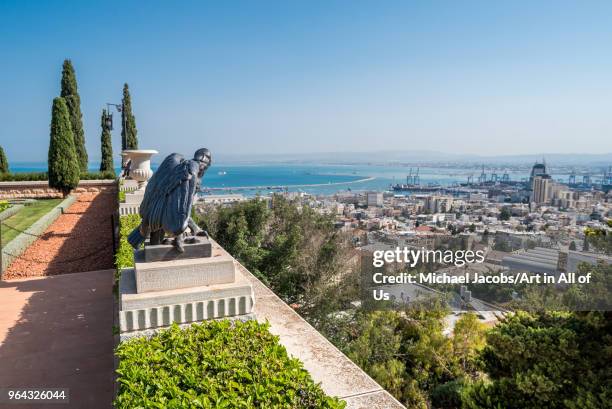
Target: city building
<point x="374" y="199"/>
<point x="221" y="199"/>
<point x="541" y="189"/>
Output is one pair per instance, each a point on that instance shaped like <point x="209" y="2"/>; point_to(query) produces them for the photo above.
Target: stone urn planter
<point x="140" y="167"/>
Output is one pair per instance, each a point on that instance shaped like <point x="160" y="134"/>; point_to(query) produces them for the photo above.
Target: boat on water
<point x="416" y="188"/>
<point x="221" y="173"/>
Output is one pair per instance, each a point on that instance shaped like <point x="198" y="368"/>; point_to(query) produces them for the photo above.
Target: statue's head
<point x="204" y="158"/>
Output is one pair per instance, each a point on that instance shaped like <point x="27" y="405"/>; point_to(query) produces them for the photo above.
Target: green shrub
<point x="98" y="175"/>
<point x="37" y="176"/>
<point x="216" y="364"/>
<point x="447" y="395"/>
<point x="4" y="204"/>
<point x="121" y="196"/>
<point x="125" y="254"/>
<point x="25" y="176"/>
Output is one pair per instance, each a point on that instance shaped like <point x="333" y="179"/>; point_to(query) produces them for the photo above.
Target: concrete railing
<point x="128" y="185"/>
<point x="40" y="188"/>
<point x="128" y="208"/>
<point x="15" y="248"/>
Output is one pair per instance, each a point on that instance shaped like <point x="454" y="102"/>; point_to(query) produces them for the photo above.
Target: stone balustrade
<point x="128" y="208"/>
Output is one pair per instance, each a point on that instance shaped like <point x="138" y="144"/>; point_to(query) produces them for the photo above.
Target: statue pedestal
<point x="155" y="294"/>
<point x="165" y="252"/>
<point x="134" y="197"/>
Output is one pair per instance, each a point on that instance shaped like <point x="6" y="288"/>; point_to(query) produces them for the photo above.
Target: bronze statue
<point x="168" y="199"/>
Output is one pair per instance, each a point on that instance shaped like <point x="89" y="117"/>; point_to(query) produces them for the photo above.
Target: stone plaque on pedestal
<point x="218" y="268"/>
<point x="134" y="197"/>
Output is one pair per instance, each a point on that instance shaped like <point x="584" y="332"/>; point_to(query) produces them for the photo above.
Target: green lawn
<point x="23" y="219"/>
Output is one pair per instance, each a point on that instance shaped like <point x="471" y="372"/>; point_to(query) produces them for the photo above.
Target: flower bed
<point x="216" y="364"/>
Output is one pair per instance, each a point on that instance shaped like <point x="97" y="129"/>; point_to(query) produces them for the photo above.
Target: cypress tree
<point x="63" y="163"/>
<point x="70" y="94"/>
<point x="4" y="165"/>
<point x="106" y="164"/>
<point x="129" y="140"/>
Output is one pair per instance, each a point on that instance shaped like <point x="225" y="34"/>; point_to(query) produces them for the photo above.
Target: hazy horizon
<point x="276" y="78"/>
<point x="390" y="157"/>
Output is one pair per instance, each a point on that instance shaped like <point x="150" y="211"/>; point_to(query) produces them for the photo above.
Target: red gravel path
<point x="79" y="240"/>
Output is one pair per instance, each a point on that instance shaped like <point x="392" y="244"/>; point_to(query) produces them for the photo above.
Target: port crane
<point x="483" y="176"/>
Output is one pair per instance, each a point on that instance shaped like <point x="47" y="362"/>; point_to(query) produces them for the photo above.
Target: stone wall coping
<point x="10" y="211"/>
<point x="45" y="183"/>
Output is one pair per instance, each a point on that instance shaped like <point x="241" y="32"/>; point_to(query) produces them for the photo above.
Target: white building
<point x="374" y="199"/>
<point x="221" y="199"/>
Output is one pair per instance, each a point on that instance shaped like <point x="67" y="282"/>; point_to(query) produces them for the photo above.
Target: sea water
<point x="263" y="178"/>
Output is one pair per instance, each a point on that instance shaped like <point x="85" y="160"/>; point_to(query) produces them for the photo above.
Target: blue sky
<point x="317" y="76"/>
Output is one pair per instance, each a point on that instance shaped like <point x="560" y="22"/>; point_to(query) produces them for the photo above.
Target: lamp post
<point x="109" y="120"/>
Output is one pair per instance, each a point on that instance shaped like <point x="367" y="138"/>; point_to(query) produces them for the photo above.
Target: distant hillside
<point x="424" y="157"/>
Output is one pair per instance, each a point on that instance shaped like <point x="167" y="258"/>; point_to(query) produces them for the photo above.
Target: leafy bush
<point x="121" y="196"/>
<point x="125" y="254"/>
<point x="546" y="360"/>
<point x="4" y="204"/>
<point x="293" y="249"/>
<point x="448" y="395"/>
<point x="216" y="364"/>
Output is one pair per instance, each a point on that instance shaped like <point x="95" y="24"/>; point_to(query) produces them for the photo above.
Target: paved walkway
<point x="57" y="332"/>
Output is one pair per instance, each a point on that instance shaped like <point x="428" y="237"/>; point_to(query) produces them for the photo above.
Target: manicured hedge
<point x="125" y="254"/>
<point x="25" y="176"/>
<point x="37" y="176"/>
<point x="98" y="175"/>
<point x="216" y="364"/>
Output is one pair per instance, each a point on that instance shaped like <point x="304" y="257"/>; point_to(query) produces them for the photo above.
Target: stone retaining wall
<point x="40" y="189"/>
<point x="19" y="244"/>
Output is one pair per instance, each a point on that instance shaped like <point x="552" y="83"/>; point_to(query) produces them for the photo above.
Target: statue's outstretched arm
<point x="197" y="230"/>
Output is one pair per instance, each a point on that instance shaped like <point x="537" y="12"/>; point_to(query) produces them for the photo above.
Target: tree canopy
<point x="4" y="165"/>
<point x="129" y="136"/>
<point x="62" y="160"/>
<point x="547" y="360"/>
<point x="106" y="163"/>
<point x="70" y="93"/>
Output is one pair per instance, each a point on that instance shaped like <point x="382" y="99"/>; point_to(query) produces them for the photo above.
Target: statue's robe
<point x="169" y="195"/>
